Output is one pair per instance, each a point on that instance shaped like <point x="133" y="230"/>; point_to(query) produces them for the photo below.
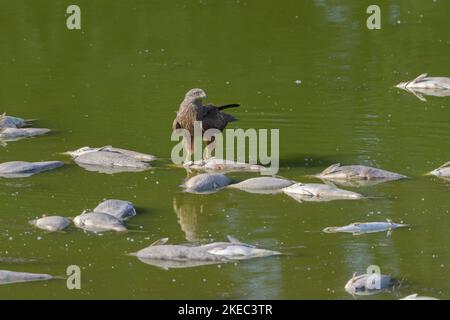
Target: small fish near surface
<point x="263" y="185"/>
<point x="414" y="296"/>
<point x="181" y="256"/>
<point x="98" y="222"/>
<point x="424" y="85"/>
<point x="111" y="160"/>
<point x="358" y="228"/>
<point x="120" y="209"/>
<point x="22" y="169"/>
<point x="316" y="192"/>
<point x="8" y="277"/>
<point x="443" y="171"/>
<point x="336" y="172"/>
<point x="51" y="223"/>
<point x="206" y="183"/>
<point x="214" y="164"/>
<point x="14" y="134"/>
<point x="370" y="284"/>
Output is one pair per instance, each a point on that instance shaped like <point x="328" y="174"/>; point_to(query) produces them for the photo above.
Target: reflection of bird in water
<point x="193" y="213"/>
<point x="188" y="211"/>
<point x="192" y="109"/>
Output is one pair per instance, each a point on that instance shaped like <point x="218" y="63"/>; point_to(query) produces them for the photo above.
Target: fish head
<point x="194" y="95"/>
<point x="403" y="85"/>
<point x="80" y="151"/>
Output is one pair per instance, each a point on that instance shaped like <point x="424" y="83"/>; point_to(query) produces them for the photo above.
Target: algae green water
<point x="119" y="80"/>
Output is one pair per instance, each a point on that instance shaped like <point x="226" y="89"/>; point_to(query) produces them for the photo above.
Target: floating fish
<point x="98" y="222"/>
<point x="358" y="228"/>
<point x="206" y="183"/>
<point x="120" y="209"/>
<point x="179" y="256"/>
<point x="22" y="169"/>
<point x="317" y="192"/>
<point x="262" y="185"/>
<point x="51" y="223"/>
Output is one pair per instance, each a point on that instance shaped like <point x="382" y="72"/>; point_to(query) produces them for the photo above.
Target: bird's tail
<point x="226" y="106"/>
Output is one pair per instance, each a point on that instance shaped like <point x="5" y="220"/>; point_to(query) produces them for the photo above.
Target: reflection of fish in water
<point x="178" y="256"/>
<point x="16" y="260"/>
<point x="414" y="296"/>
<point x="8" y="277"/>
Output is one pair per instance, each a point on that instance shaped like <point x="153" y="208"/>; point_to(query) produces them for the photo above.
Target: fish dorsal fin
<point x="389" y="221"/>
<point x="356" y="223"/>
<point x="421" y="77"/>
<point x="104" y="148"/>
<point x="233" y="239"/>
<point x="331" y="168"/>
<point x="159" y="242"/>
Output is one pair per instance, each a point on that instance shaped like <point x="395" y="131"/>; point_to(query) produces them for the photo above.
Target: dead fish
<point x="98" y="222"/>
<point x="319" y="192"/>
<point x="216" y="252"/>
<point x="369" y="284"/>
<point x="206" y="183"/>
<point x="105" y="158"/>
<point x="51" y="223"/>
<point x="421" y="93"/>
<point x="129" y="153"/>
<point x="358" y="228"/>
<point x="120" y="209"/>
<point x="357" y="172"/>
<point x="12" y="122"/>
<point x="12" y="134"/>
<point x="262" y="185"/>
<point x="414" y="296"/>
<point x="442" y="171"/>
<point x="427" y="86"/>
<point x="8" y="277"/>
<point x="214" y="164"/>
<point x="425" y="82"/>
<point x="21" y="169"/>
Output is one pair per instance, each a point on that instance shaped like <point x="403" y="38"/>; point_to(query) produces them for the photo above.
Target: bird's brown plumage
<point x="192" y="109"/>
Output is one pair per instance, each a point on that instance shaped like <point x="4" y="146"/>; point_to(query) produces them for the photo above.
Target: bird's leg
<point x="188" y="146"/>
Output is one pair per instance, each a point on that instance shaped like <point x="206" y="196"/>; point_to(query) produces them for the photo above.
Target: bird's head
<point x="194" y="95"/>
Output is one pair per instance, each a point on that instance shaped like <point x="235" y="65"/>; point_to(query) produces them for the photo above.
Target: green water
<point x="119" y="81"/>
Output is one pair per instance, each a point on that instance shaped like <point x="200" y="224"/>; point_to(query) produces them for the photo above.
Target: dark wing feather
<point x="226" y="106"/>
<point x="212" y="117"/>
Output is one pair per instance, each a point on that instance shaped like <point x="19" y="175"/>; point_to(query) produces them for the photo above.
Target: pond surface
<point x="120" y="80"/>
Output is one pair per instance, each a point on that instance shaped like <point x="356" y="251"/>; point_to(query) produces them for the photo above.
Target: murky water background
<point x="120" y="80"/>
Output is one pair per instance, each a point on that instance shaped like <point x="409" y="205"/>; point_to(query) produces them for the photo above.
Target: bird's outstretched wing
<point x="212" y="117"/>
